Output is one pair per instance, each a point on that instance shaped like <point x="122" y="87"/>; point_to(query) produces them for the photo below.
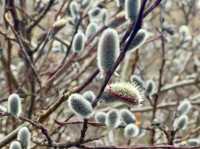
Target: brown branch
<point x="161" y="71"/>
<point x="33" y="123"/>
<point x="42" y="15"/>
<point x="20" y="42"/>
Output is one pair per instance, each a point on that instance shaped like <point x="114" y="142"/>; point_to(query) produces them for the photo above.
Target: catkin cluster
<point x="181" y="122"/>
<point x="23" y="139"/>
<point x="81" y="105"/>
<point x="119" y="119"/>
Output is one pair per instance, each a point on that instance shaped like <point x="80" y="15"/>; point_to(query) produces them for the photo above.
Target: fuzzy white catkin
<point x="104" y="16"/>
<point x="108" y="49"/>
<point x="193" y="142"/>
<point x="139" y="40"/>
<point x="184" y="107"/>
<point x="15" y="145"/>
<point x="150" y="87"/>
<point x="95" y="15"/>
<point x="180" y="123"/>
<point x="113" y="119"/>
<point x="80" y="106"/>
<point x="14" y="105"/>
<point x="131" y="130"/>
<point x="132" y="8"/>
<point x="127" y="117"/>
<point x="100" y="117"/>
<point x="91" y="30"/>
<point x="24" y="136"/>
<point x="137" y="80"/>
<point x="123" y="89"/>
<point x="85" y="3"/>
<point x="89" y="96"/>
<point x="78" y="43"/>
<point x="74" y="9"/>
